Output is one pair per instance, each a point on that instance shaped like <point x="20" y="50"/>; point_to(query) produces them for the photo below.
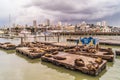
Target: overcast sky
<point x="70" y="11"/>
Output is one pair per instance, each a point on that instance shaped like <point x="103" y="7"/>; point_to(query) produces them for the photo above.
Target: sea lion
<point x="54" y="53"/>
<point x="48" y="55"/>
<point x="59" y="57"/>
<point x="79" y="62"/>
<point x="99" y="60"/>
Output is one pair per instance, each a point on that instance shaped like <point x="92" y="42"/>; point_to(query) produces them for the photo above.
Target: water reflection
<point x="15" y="66"/>
<point x="28" y="59"/>
<point x="14" y="41"/>
<point x="113" y="72"/>
<point x="78" y="75"/>
<point x="8" y="51"/>
<point x="110" y="64"/>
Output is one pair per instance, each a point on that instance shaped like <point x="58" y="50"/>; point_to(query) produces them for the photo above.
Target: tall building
<point x="98" y="23"/>
<point x="35" y="25"/>
<point x="104" y="23"/>
<point x="59" y="23"/>
<point x="26" y="26"/>
<point x="83" y="23"/>
<point x="14" y="25"/>
<point x="48" y="22"/>
<point x="83" y="26"/>
<point x="66" y="24"/>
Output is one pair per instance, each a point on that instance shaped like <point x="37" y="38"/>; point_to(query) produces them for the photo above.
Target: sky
<point x="67" y="11"/>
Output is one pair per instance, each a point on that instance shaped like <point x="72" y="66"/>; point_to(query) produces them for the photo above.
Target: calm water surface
<point x="14" y="66"/>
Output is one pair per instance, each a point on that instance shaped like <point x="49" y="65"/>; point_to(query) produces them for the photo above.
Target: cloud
<point x="25" y="11"/>
<point x="79" y="9"/>
<point x="12" y="9"/>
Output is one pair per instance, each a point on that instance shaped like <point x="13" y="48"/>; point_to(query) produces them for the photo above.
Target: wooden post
<point x="58" y="37"/>
<point x="70" y="35"/>
<point x="22" y="41"/>
<point x="97" y="47"/>
<point x="35" y="38"/>
<point x="45" y="37"/>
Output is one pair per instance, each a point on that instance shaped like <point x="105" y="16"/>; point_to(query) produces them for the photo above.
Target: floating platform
<point x="102" y="41"/>
<point x="109" y="58"/>
<point x="102" y="53"/>
<point x="7" y="46"/>
<point x="36" y="44"/>
<point x="117" y="52"/>
<point x="29" y="52"/>
<point x="110" y="42"/>
<point x="85" y="64"/>
<point x="47" y="42"/>
<point x="46" y="46"/>
<point x="63" y="45"/>
<point x="36" y="50"/>
<point x="86" y="33"/>
<point x="73" y="39"/>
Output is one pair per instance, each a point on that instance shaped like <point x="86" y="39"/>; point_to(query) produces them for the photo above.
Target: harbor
<point x="64" y="40"/>
<point x="39" y="50"/>
<point x="111" y="42"/>
<point x="21" y="59"/>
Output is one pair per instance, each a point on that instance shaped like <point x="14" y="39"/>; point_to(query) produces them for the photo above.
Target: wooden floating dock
<point x="47" y="42"/>
<point x="86" y="33"/>
<point x="117" y="52"/>
<point x="70" y="61"/>
<point x="109" y="58"/>
<point x="72" y="39"/>
<point x="110" y="42"/>
<point x="37" y="49"/>
<point x="103" y="42"/>
<point x="102" y="53"/>
<point x="63" y="45"/>
<point x="28" y="52"/>
<point x="7" y="46"/>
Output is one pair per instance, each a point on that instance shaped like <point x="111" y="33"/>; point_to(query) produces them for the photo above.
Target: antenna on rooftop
<point x="10" y="23"/>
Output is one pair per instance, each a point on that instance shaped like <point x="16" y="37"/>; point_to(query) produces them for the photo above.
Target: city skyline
<point x="25" y="11"/>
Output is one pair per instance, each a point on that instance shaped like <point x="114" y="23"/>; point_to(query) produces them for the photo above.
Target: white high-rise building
<point x="98" y="23"/>
<point x="83" y="23"/>
<point x="83" y="26"/>
<point x="66" y="24"/>
<point x="34" y="23"/>
<point x="48" y="22"/>
<point x="104" y="23"/>
<point x="59" y="23"/>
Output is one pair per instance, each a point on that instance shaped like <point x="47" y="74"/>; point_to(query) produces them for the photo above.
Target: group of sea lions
<point x="94" y="65"/>
<point x="55" y="56"/>
<point x="8" y="44"/>
<point x="39" y="47"/>
<point x="109" y="52"/>
<point x="91" y="66"/>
